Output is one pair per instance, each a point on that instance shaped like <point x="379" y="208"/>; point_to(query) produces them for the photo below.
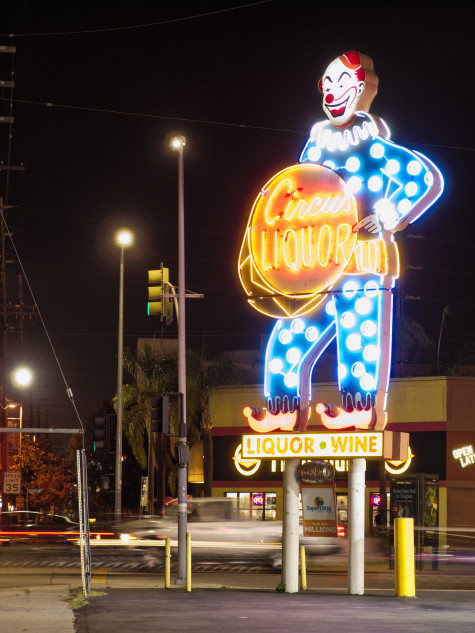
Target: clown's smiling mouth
<point x="337" y="109"/>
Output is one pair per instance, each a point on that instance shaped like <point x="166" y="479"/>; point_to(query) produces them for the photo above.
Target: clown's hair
<point x="350" y="59"/>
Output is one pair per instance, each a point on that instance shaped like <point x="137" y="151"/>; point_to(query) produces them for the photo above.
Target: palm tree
<point x="157" y="373"/>
<point x="202" y="376"/>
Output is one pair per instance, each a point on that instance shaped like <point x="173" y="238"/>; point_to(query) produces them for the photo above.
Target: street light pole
<point x="22" y="378"/>
<point x="178" y="144"/>
<point x="124" y="238"/>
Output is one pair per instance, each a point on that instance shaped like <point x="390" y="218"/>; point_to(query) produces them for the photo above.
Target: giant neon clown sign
<point x="319" y="255"/>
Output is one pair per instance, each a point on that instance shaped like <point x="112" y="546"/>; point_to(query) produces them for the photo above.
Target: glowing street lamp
<point x="178" y="142"/>
<point x="124" y="238"/>
<point x="22" y="377"/>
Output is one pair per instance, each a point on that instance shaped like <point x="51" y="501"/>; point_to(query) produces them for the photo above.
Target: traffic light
<point x="111" y="433"/>
<point x="160" y="415"/>
<point x="99" y="434"/>
<point x="158" y="286"/>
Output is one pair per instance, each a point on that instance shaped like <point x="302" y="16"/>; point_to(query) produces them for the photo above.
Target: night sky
<point x="241" y="86"/>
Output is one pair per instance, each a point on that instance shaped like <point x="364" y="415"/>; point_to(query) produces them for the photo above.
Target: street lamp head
<point x="178" y="142"/>
<point x="124" y="238"/>
<point x="22" y="377"/>
<point x="10" y="405"/>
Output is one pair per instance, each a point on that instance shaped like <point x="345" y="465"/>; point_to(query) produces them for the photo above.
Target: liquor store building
<point x="437" y="413"/>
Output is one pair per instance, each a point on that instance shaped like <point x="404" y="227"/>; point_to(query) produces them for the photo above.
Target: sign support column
<point x="290" y="527"/>
<point x="356" y="504"/>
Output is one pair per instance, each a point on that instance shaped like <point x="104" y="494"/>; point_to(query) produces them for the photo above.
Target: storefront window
<point x="271" y="506"/>
<point x="256" y="506"/>
<point x="342" y="508"/>
<point x="377" y="523"/>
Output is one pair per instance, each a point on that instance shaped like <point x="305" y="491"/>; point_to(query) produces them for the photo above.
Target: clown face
<point x="342" y="84"/>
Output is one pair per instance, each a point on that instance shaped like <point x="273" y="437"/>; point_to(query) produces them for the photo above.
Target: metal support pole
<point x="182" y="468"/>
<point x="290" y="528"/>
<point x="84" y="535"/>
<point x="120" y="351"/>
<point x="3" y="358"/>
<point x="356" y="503"/>
<point x="4" y="445"/>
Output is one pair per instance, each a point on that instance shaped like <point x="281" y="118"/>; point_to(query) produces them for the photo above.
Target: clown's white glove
<point x="370" y="223"/>
<point x="387" y="214"/>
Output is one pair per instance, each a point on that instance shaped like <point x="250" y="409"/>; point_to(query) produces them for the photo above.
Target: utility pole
<point x="6" y="309"/>
<point x="3" y="355"/>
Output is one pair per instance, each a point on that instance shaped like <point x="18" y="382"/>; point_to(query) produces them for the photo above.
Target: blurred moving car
<point x="217" y="533"/>
<point x="23" y="525"/>
<point x="30" y="525"/>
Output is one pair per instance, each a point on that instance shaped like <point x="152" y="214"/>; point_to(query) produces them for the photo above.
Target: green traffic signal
<point x="99" y="434"/>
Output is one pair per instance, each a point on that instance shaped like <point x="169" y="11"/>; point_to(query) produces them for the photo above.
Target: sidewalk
<point x="36" y="610"/>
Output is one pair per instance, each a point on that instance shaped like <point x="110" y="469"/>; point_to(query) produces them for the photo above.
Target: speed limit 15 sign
<point x="12" y="483"/>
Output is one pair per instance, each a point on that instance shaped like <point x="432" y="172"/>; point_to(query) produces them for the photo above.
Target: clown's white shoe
<point x="262" y="421"/>
<point x="336" y="419"/>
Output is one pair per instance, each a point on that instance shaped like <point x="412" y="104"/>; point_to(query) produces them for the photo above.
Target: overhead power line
<point x="165" y="117"/>
<point x="139" y="26"/>
<point x="49" y="104"/>
<point x="50" y="342"/>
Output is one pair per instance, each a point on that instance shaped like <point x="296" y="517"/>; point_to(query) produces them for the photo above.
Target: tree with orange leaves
<point x="44" y="470"/>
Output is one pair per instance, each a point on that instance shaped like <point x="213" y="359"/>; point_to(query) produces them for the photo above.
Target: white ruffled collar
<point x="326" y="136"/>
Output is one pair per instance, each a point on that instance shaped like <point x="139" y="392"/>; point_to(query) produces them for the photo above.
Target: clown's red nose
<point x="329" y="98"/>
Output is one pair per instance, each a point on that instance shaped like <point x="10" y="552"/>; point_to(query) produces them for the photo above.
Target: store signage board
<point x="465" y="455"/>
<point x="312" y="445"/>
<point x="249" y="467"/>
<point x="318" y="510"/>
<point x="375" y="444"/>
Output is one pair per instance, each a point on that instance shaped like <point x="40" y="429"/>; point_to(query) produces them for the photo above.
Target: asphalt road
<point x="114" y="571"/>
<point x="452" y="573"/>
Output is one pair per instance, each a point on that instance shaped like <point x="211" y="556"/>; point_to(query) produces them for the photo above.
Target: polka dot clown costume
<point x="391" y="187"/>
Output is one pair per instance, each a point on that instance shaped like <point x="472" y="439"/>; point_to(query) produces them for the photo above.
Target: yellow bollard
<point x="188" y="561"/>
<point x="404" y="557"/>
<point x="303" y="568"/>
<point x="167" y="562"/>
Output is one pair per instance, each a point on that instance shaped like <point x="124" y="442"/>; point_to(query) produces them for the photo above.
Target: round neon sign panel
<point x="300" y="235"/>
